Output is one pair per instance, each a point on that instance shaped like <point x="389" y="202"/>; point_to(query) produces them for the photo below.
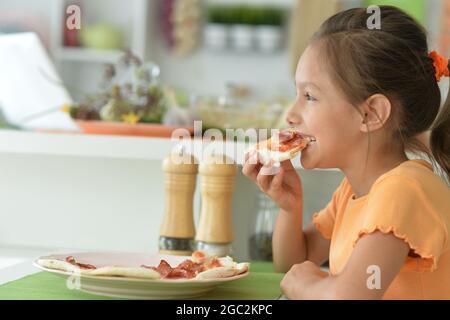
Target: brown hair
<point x="393" y="61"/>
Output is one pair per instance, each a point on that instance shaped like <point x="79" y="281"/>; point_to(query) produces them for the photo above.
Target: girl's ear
<point x="375" y="112"/>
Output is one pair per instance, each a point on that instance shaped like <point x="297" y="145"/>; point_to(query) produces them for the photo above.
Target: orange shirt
<point x="411" y="202"/>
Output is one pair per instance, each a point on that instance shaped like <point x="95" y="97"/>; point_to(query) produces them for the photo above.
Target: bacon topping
<point x="185" y="270"/>
<point x="71" y="260"/>
<point x="213" y="263"/>
<point x="285" y="141"/>
<point x="198" y="256"/>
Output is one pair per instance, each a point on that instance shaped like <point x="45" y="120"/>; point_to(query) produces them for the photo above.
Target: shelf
<point x="103" y="146"/>
<point x="113" y="147"/>
<point x="132" y="16"/>
<point x="89" y="55"/>
<point x="80" y="145"/>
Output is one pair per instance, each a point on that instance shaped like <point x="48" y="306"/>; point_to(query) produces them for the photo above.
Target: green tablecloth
<point x="262" y="283"/>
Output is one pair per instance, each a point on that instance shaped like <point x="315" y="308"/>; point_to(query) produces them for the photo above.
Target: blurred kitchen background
<point x="230" y="62"/>
<point x="207" y="51"/>
<point x="209" y="43"/>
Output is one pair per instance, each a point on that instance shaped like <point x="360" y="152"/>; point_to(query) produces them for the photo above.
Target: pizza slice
<point x="284" y="145"/>
<point x="200" y="266"/>
<point x="69" y="264"/>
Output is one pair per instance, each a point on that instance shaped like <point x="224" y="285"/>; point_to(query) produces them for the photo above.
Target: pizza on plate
<point x="199" y="266"/>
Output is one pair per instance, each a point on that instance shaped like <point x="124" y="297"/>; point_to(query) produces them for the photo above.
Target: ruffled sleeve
<point x="401" y="206"/>
<point x="324" y="219"/>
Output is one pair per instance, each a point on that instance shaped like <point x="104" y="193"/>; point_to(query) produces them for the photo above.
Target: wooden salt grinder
<point x="215" y="230"/>
<point x="177" y="230"/>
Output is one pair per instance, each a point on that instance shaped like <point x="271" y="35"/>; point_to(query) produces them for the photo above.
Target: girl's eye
<point x="309" y="97"/>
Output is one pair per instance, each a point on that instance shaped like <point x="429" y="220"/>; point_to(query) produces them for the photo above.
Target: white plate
<point x="134" y="288"/>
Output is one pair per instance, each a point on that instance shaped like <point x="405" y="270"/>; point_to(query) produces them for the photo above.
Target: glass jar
<point x="260" y="242"/>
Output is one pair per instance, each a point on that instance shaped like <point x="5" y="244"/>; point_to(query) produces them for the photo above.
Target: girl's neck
<point x="362" y="176"/>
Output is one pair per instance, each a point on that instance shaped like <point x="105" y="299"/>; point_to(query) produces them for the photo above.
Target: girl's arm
<point x="376" y="257"/>
<point x="292" y="245"/>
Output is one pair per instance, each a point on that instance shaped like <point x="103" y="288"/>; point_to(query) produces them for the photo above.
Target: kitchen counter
<point x="114" y="147"/>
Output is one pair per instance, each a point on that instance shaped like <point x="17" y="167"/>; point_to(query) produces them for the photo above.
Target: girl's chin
<point x="308" y="162"/>
<point x="306" y="165"/>
<point x="306" y="159"/>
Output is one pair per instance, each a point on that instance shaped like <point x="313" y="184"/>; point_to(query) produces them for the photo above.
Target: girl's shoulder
<point x="412" y="202"/>
<point x="412" y="184"/>
<point x="414" y="175"/>
<point x="413" y="187"/>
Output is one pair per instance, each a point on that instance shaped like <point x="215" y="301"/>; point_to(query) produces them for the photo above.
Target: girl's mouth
<point x="310" y="138"/>
<point x="311" y="141"/>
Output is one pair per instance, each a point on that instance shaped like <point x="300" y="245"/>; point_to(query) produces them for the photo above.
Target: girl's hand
<point x="284" y="188"/>
<point x="301" y="276"/>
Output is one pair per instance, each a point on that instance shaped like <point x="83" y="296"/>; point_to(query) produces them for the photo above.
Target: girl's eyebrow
<point x="307" y="84"/>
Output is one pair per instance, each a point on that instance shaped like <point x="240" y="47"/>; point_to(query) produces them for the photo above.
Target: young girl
<point x="367" y="96"/>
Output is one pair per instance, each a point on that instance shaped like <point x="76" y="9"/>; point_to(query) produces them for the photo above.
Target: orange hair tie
<point x="441" y="65"/>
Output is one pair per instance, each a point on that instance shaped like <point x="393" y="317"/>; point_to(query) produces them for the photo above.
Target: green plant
<point x="272" y="16"/>
<point x="219" y="14"/>
<point x="130" y="93"/>
<point x="245" y="14"/>
<point x="155" y="108"/>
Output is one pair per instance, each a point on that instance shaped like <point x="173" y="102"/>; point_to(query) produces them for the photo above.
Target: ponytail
<point x="440" y="140"/>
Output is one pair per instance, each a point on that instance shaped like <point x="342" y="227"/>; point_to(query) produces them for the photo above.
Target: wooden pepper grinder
<point x="177" y="229"/>
<point x="215" y="230"/>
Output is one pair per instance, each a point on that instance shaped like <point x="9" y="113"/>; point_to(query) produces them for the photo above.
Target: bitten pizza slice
<point x="284" y="145"/>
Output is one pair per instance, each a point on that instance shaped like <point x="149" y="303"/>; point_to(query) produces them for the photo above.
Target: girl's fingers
<point x="251" y="167"/>
<point x="271" y="169"/>
<point x="250" y="155"/>
<point x="264" y="175"/>
<point x="247" y="155"/>
<point x="264" y="181"/>
<point x="267" y="173"/>
<point x="277" y="180"/>
<point x="287" y="165"/>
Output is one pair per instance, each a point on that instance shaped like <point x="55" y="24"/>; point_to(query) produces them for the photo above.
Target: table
<point x="262" y="284"/>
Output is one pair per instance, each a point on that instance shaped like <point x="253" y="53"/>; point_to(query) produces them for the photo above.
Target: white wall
<point x="33" y="14"/>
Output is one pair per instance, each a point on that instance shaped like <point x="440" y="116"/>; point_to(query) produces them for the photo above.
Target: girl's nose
<point x="290" y="122"/>
<point x="292" y="117"/>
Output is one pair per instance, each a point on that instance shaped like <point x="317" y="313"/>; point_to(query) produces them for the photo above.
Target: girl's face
<point x="320" y="110"/>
